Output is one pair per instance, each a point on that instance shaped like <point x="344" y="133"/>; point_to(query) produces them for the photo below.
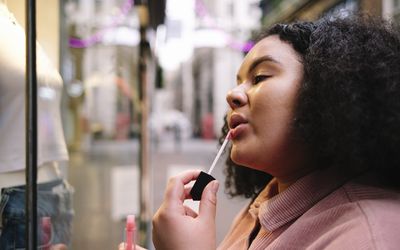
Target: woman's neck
<point x="286" y="181"/>
<point x="282" y="186"/>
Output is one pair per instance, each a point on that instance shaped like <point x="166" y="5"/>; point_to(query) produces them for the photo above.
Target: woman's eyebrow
<point x="256" y="62"/>
<point x="262" y="59"/>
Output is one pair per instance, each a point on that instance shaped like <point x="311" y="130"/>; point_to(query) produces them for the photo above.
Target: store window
<point x="94" y="62"/>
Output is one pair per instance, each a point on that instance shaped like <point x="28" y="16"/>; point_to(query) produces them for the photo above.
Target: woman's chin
<point x="240" y="158"/>
<point x="245" y="159"/>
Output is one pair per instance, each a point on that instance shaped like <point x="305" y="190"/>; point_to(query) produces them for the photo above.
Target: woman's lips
<point x="235" y="132"/>
<point x="237" y="123"/>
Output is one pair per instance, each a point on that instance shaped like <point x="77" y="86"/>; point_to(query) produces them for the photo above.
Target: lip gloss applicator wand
<point x="204" y="178"/>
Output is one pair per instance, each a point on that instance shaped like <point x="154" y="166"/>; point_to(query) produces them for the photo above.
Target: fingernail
<point x="215" y="186"/>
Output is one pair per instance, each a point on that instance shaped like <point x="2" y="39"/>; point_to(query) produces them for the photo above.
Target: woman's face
<point x="262" y="106"/>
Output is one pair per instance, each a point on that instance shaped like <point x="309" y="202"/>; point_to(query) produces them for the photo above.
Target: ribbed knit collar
<point x="278" y="209"/>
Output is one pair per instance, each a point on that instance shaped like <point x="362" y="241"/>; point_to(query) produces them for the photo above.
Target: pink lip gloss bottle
<point x="46" y="232"/>
<point x="130" y="230"/>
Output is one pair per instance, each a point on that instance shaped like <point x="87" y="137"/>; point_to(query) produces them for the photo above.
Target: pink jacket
<point x="323" y="210"/>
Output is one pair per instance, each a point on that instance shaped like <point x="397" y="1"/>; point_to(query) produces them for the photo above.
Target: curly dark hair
<point x="348" y="111"/>
<point x="241" y="181"/>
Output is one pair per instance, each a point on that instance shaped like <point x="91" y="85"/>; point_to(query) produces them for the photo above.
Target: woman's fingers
<point x="190" y="212"/>
<point x="188" y="176"/>
<point x="187" y="192"/>
<point x="175" y="224"/>
<point x="208" y="203"/>
<point x="176" y="185"/>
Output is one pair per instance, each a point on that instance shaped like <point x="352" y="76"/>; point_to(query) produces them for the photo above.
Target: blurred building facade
<point x="100" y="69"/>
<point x="196" y="53"/>
<point x="290" y="10"/>
<point x="198" y="83"/>
<point x="214" y="34"/>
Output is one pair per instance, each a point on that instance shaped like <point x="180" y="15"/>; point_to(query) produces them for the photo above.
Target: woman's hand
<point x="176" y="226"/>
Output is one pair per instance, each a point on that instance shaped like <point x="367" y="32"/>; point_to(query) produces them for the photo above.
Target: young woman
<point x="315" y="128"/>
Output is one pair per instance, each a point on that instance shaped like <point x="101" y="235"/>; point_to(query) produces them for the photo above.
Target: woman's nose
<point x="236" y="98"/>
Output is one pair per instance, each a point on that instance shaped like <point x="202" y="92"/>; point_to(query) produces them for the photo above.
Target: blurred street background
<point x="144" y="95"/>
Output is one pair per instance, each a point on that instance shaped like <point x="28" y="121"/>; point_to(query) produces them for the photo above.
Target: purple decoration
<point x="201" y="11"/>
<point x="96" y="37"/>
<point x="248" y="46"/>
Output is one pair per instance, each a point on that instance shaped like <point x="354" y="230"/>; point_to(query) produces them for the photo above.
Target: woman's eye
<point x="259" y="78"/>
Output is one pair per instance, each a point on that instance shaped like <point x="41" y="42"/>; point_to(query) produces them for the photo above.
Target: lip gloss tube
<point x="204" y="178"/>
<point x="46" y="232"/>
<point x="130" y="230"/>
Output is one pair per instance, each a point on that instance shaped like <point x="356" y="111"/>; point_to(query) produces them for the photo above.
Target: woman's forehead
<point x="272" y="47"/>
